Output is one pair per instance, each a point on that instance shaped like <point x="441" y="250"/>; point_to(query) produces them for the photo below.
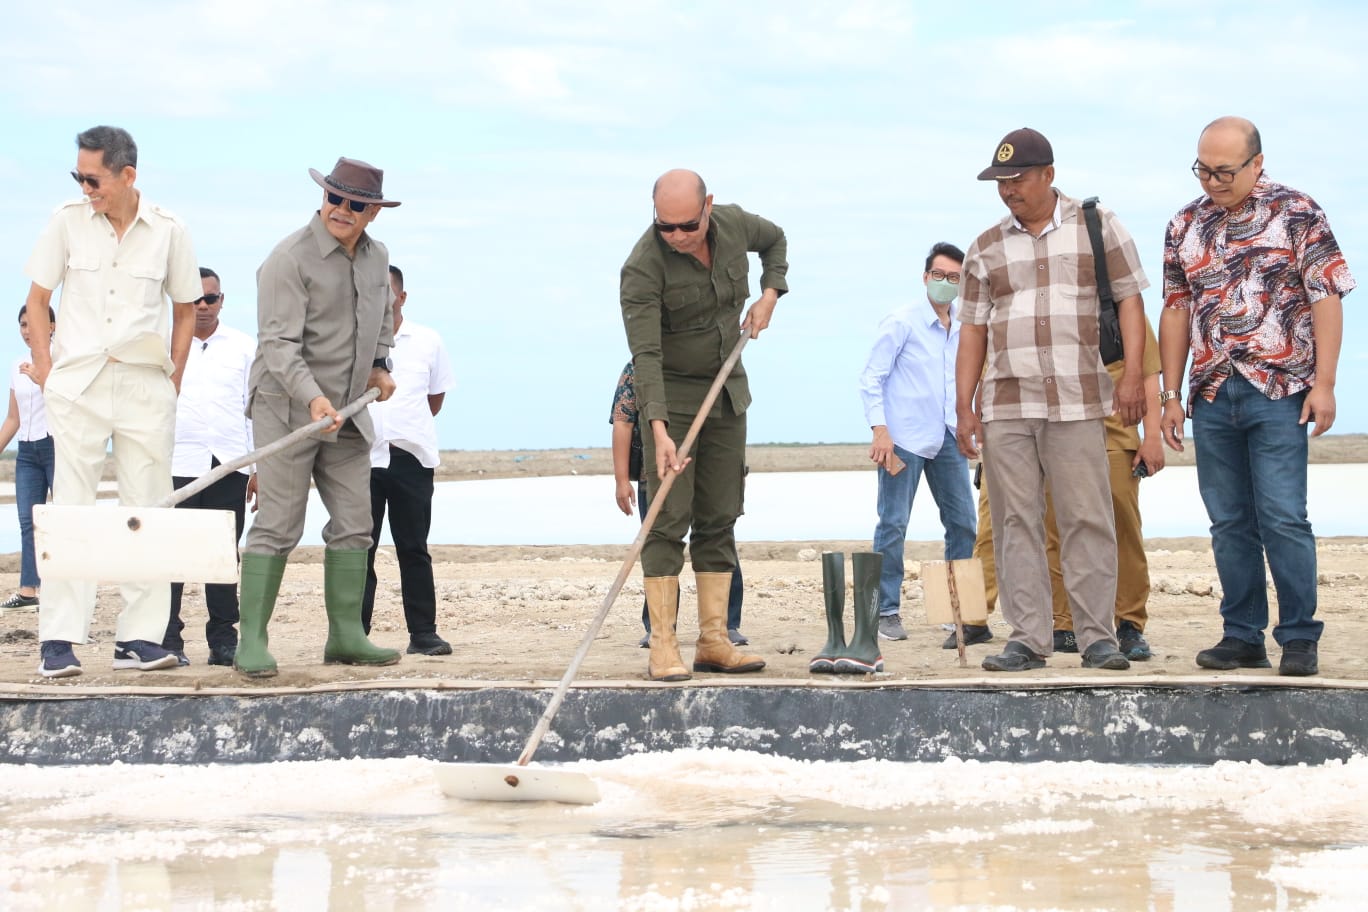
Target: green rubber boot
<point x="260" y="584"/>
<point x="862" y="655"/>
<point x="833" y="593"/>
<point x="344" y="584"/>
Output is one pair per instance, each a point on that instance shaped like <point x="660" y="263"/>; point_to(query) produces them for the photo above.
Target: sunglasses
<point x="86" y="179"/>
<point x="210" y="299"/>
<point x="687" y="227"/>
<point x="355" y="205"/>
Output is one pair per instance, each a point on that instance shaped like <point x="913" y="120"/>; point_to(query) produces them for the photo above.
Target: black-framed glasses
<point x="86" y="180"/>
<point x="336" y="200"/>
<point x="941" y="275"/>
<point x="210" y="299"/>
<point x="686" y="227"/>
<point x="1203" y="173"/>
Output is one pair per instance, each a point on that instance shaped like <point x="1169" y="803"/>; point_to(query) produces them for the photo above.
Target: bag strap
<point x="1094" y="223"/>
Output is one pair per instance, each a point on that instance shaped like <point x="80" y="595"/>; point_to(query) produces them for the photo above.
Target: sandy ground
<point x="517" y="614"/>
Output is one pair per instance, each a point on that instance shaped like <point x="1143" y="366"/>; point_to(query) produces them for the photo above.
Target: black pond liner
<point x="1197" y="724"/>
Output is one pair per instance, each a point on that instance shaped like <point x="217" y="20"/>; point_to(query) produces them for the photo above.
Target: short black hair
<point x="398" y="275"/>
<point x="947" y="249"/>
<point x="207" y="273"/>
<point x="23" y="311"/>
<point x="114" y="143"/>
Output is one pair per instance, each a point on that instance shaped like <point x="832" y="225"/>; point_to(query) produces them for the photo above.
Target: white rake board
<point x="116" y="544"/>
<point x="510" y="782"/>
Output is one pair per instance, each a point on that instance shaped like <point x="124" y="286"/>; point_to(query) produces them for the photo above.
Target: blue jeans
<point x="947" y="474"/>
<point x="32" y="481"/>
<point x="1251" y="470"/>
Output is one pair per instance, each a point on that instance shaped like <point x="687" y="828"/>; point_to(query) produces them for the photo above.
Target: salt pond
<point x="690" y="830"/>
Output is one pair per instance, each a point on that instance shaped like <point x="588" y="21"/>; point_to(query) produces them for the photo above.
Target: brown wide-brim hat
<point x="1018" y="152"/>
<point x="355" y="180"/>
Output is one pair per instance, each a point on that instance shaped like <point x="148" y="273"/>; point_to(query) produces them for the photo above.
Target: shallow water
<point x="689" y="830"/>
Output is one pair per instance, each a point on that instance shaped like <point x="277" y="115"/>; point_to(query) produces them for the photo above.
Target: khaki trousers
<point x="1132" y="567"/>
<point x="1023" y="456"/>
<point x="339" y="467"/>
<point x="135" y="407"/>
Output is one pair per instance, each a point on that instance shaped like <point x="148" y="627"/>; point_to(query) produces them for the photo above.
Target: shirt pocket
<point x="148" y="280"/>
<point x="738" y="273"/>
<point x="683" y="308"/>
<point x="83" y="276"/>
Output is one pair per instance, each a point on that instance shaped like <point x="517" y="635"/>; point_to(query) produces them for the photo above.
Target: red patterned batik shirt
<point x="1248" y="278"/>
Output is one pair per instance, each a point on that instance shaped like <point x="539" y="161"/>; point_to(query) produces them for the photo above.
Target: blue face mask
<point x="942" y="291"/>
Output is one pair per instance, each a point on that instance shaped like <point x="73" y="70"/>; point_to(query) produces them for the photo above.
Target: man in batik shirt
<point x="1252" y="284"/>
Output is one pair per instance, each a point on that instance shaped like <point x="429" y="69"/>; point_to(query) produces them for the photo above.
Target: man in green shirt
<point x="683" y="288"/>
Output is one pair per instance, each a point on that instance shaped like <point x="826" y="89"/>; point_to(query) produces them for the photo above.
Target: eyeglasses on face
<point x="89" y="180"/>
<point x="355" y="205"/>
<point x="686" y="227"/>
<point x="210" y="299"/>
<point x="1222" y="175"/>
<point x="941" y="275"/>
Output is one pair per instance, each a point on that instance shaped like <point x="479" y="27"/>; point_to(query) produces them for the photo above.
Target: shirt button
<point x="116" y="264"/>
<point x="1042" y="322"/>
<point x="1041" y="266"/>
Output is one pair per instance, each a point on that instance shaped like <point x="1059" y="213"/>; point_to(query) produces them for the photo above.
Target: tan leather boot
<point x="662" y="602"/>
<point x="715" y="652"/>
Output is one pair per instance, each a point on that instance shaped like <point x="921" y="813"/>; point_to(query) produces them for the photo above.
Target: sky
<point x="523" y="139"/>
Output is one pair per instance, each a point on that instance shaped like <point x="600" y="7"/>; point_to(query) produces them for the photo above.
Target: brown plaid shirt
<point x="1038" y="297"/>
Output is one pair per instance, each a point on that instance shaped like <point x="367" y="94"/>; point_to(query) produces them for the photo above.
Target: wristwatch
<point x="384" y="364"/>
<point x="1166" y="395"/>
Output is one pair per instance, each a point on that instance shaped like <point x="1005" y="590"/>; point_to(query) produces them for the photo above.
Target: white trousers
<point x="135" y="406"/>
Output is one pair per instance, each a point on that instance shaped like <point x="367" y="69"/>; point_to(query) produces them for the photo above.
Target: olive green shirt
<point x="683" y="319"/>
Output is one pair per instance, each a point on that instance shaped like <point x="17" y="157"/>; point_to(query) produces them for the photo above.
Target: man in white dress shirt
<point x="212" y="428"/>
<point x="403" y="457"/>
<point x="908" y="389"/>
<point x="110" y="373"/>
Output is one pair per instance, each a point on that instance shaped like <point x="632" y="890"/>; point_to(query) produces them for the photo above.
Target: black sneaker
<point x="20" y="601"/>
<point x="181" y="659"/>
<point x="1234" y="653"/>
<point x="58" y="660"/>
<point x="1299" y="659"/>
<point x="645" y="641"/>
<point x="1104" y="655"/>
<point x="1132" y="642"/>
<point x="1064" y="641"/>
<point x="973" y="635"/>
<point x="428" y="644"/>
<point x="1015" y="657"/>
<point x="143" y="655"/>
<point x="735" y="635"/>
<point x="222" y="655"/>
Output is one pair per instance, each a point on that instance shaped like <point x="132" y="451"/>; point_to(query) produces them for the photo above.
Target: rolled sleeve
<point x="768" y="240"/>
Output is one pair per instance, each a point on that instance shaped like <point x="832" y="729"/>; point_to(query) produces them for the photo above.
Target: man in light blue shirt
<point x="908" y="388"/>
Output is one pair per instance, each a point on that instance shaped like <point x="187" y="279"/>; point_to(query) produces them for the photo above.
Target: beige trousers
<point x="135" y="407"/>
<point x="1022" y="456"/>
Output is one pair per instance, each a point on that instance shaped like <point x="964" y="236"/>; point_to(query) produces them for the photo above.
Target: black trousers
<point x="221" y="598"/>
<point x="406" y="487"/>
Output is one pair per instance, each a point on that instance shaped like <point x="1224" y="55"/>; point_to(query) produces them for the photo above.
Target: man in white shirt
<point x="212" y="428"/>
<point x="403" y="457"/>
<point x="908" y="389"/>
<point x="109" y="373"/>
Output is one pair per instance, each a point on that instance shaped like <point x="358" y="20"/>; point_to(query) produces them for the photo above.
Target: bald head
<point x="1228" y="127"/>
<point x="679" y="186"/>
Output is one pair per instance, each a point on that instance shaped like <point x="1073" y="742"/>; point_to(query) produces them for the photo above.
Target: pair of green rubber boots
<point x="344" y="583"/>
<point x="861" y="655"/>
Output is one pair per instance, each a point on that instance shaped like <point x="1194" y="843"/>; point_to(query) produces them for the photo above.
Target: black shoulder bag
<point x="1108" y="321"/>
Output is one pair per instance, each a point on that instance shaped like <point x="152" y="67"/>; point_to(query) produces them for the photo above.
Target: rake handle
<point x="284" y="443"/>
<point x="657" y="503"/>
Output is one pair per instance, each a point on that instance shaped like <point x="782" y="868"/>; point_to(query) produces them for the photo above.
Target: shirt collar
<point x="931" y="318"/>
<point x="1056" y="217"/>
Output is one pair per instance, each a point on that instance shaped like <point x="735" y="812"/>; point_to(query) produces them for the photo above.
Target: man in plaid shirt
<point x="1030" y="313"/>
<point x="1253" y="279"/>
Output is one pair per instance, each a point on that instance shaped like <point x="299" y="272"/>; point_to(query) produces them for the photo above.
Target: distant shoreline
<point x="469" y="465"/>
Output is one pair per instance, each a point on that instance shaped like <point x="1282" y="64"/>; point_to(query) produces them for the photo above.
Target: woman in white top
<point x="33" y="467"/>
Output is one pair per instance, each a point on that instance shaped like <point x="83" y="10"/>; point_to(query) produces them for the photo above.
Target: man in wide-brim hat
<point x="325" y="327"/>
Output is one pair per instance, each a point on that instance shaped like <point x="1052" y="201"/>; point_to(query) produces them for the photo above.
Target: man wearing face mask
<point x="908" y="389"/>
